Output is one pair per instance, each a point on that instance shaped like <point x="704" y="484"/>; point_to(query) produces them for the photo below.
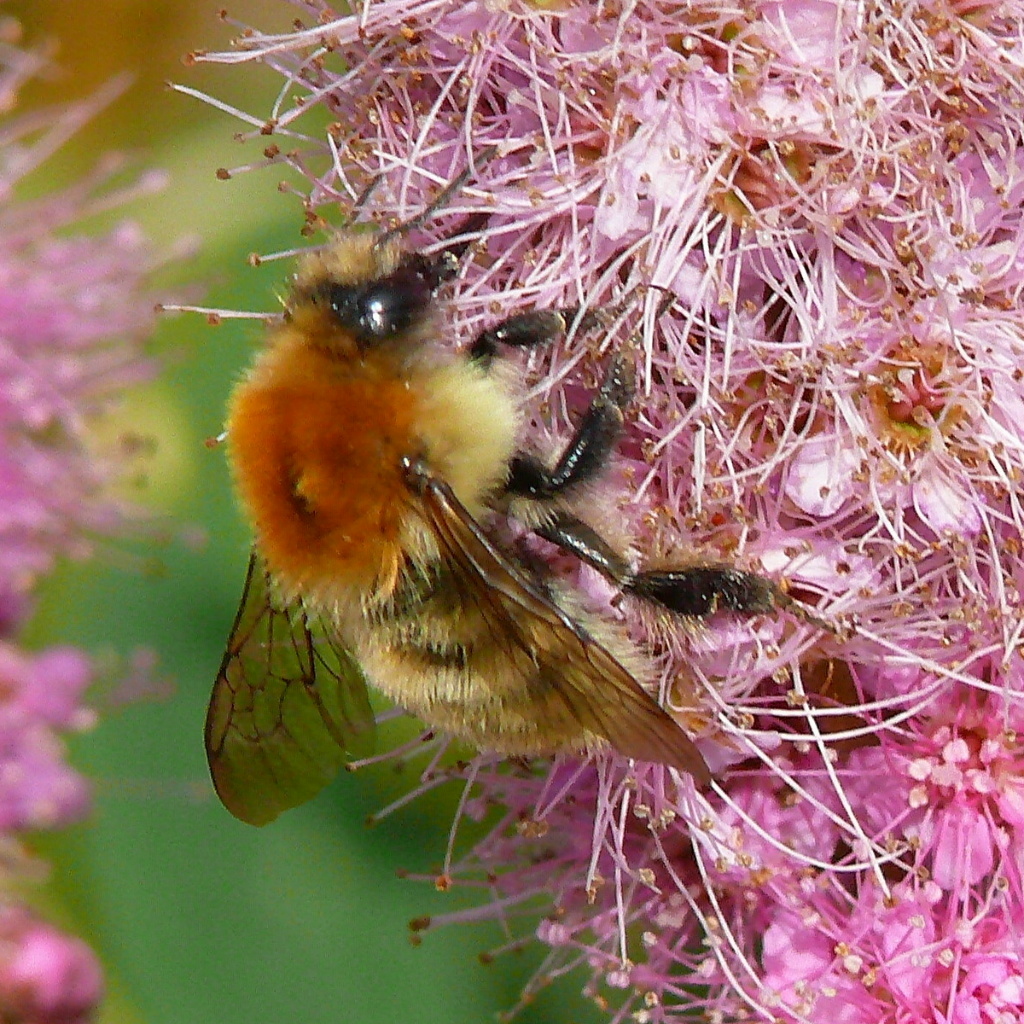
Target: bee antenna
<point x="364" y="196"/>
<point x="668" y="299"/>
<point x="437" y="202"/>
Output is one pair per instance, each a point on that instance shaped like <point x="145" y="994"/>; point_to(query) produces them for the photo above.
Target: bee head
<point x="372" y="291"/>
<point x="386" y="307"/>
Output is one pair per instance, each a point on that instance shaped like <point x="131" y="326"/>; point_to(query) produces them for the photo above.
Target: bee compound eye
<point x="395" y="303"/>
<point x="387" y="308"/>
<point x="384" y="308"/>
<point x="372" y="312"/>
<point x="344" y="304"/>
<point x="381" y="310"/>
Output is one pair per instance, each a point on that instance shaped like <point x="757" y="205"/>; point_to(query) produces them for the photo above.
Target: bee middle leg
<point x="695" y="591"/>
<point x="600" y="426"/>
<point x="587" y="451"/>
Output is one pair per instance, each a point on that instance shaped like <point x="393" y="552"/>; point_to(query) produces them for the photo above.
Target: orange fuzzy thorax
<point x="317" y="432"/>
<point x="316" y="444"/>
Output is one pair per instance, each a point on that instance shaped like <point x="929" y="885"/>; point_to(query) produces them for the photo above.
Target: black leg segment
<point x="534" y="328"/>
<point x="695" y="592"/>
<point x="701" y="590"/>
<point x="589" y="447"/>
<point x="583" y="541"/>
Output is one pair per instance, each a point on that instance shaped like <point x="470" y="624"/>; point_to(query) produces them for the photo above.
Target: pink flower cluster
<point x="831" y="194"/>
<point x="74" y="314"/>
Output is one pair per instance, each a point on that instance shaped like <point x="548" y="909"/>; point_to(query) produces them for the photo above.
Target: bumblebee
<point x="376" y="466"/>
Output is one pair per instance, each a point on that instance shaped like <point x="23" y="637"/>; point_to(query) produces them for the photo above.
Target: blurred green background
<point x="198" y="918"/>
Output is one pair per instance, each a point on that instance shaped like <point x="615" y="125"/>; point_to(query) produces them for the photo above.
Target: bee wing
<point x="286" y="705"/>
<point x="583" y="678"/>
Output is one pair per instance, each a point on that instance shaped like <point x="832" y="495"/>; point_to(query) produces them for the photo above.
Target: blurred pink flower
<point x="41" y="698"/>
<point x="833" y="193"/>
<point x="74" y="316"/>
<point x="46" y="977"/>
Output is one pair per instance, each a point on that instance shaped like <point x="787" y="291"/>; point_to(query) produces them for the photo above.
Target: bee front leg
<point x="534" y="328"/>
<point x="543" y="326"/>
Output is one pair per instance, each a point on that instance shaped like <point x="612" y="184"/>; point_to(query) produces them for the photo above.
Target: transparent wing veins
<point x="287" y="704"/>
<point x="595" y="689"/>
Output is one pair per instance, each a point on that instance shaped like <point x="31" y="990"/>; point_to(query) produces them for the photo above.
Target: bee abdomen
<point x="433" y="656"/>
<point x="475" y="694"/>
<point x="448" y="659"/>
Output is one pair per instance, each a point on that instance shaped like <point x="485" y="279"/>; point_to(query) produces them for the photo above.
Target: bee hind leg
<point x="695" y="591"/>
<point x="583" y="541"/>
<point x="701" y="590"/>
